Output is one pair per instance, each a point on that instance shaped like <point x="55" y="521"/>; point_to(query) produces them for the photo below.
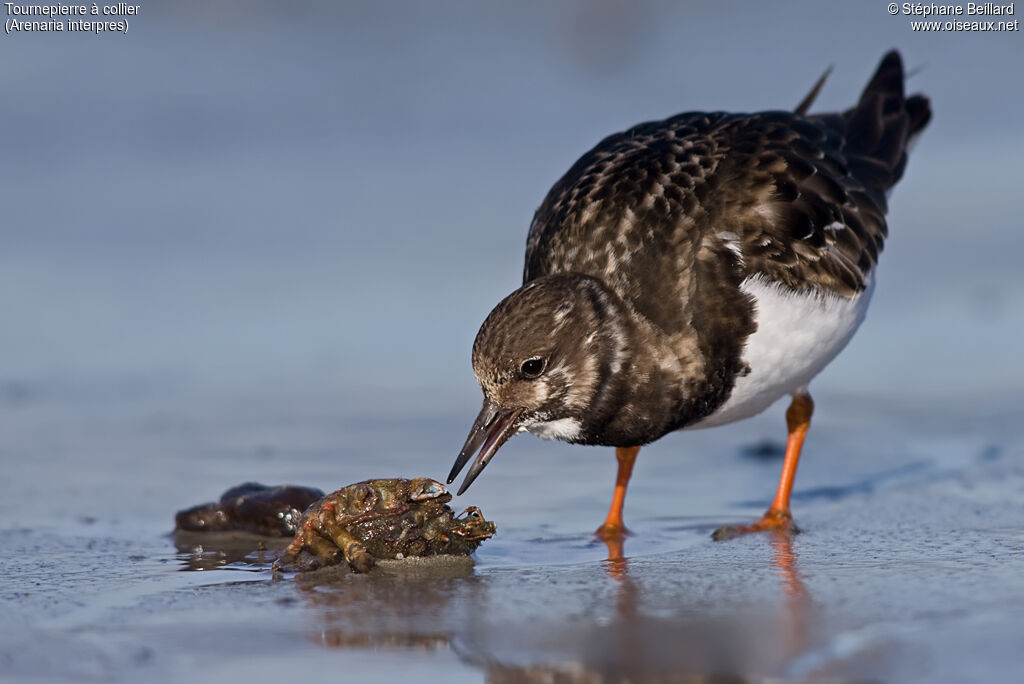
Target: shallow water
<point x="908" y="569"/>
<point x="247" y="243"/>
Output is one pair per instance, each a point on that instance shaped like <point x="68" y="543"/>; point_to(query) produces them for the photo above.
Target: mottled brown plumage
<point x="801" y="198"/>
<point x="637" y="307"/>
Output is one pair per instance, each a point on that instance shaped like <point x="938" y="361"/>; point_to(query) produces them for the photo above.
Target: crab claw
<point x="473" y="526"/>
<point x="492" y="428"/>
<point x="425" y="488"/>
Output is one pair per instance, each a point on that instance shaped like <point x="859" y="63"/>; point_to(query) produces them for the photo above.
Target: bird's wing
<point x="798" y="200"/>
<point x="824" y="223"/>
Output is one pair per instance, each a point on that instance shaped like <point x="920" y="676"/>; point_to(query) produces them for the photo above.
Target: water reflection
<point x="398" y="606"/>
<point x="217" y="550"/>
<point x="796" y="608"/>
<point x="638" y="619"/>
<point x="616" y="563"/>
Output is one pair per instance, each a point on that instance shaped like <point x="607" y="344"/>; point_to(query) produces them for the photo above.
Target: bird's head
<point x="541" y="357"/>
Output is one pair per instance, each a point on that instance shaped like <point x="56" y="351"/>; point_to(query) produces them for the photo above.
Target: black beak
<point x="491" y="429"/>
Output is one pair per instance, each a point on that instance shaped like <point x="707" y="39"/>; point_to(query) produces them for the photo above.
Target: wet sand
<point x="910" y="566"/>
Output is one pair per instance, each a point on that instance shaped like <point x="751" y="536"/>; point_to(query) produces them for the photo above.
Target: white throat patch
<point x="563" y="428"/>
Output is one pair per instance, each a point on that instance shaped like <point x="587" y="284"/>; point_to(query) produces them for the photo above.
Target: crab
<point x="377" y="519"/>
<point x="251" y="507"/>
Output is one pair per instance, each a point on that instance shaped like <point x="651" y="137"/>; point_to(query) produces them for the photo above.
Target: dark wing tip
<point x="805" y="104"/>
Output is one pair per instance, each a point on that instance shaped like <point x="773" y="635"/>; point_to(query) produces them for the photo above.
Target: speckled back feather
<point x="799" y="200"/>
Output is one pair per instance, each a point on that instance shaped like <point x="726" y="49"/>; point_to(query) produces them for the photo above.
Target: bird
<point x="690" y="272"/>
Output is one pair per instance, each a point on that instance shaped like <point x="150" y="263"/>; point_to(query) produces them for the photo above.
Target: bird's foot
<point x="611" y="532"/>
<point x="773" y="520"/>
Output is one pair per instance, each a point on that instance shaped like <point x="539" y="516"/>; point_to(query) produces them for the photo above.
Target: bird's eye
<point x="532" y="368"/>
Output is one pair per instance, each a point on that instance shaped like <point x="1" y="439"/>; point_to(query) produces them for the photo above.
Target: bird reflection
<point x="791" y="624"/>
<point x="616" y="565"/>
<point x="796" y="600"/>
<point x="634" y="621"/>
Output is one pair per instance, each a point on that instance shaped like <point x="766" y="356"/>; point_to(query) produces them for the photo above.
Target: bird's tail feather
<point x="879" y="129"/>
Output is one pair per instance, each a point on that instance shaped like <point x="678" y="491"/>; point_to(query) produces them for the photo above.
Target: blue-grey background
<point x="254" y="241"/>
<point x="240" y="196"/>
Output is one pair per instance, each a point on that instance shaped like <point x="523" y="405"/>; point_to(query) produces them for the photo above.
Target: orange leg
<point x="613" y="527"/>
<point x="778" y="517"/>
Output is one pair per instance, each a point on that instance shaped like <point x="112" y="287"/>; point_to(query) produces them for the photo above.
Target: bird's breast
<point x="798" y="334"/>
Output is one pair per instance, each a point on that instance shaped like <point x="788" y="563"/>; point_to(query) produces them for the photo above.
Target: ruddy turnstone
<point x="688" y="273"/>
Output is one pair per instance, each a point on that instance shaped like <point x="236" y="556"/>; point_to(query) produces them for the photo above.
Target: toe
<point x="780" y="521"/>
<point x="727" y="532"/>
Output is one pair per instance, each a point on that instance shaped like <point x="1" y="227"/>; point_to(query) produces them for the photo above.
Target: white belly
<point x="797" y="336"/>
